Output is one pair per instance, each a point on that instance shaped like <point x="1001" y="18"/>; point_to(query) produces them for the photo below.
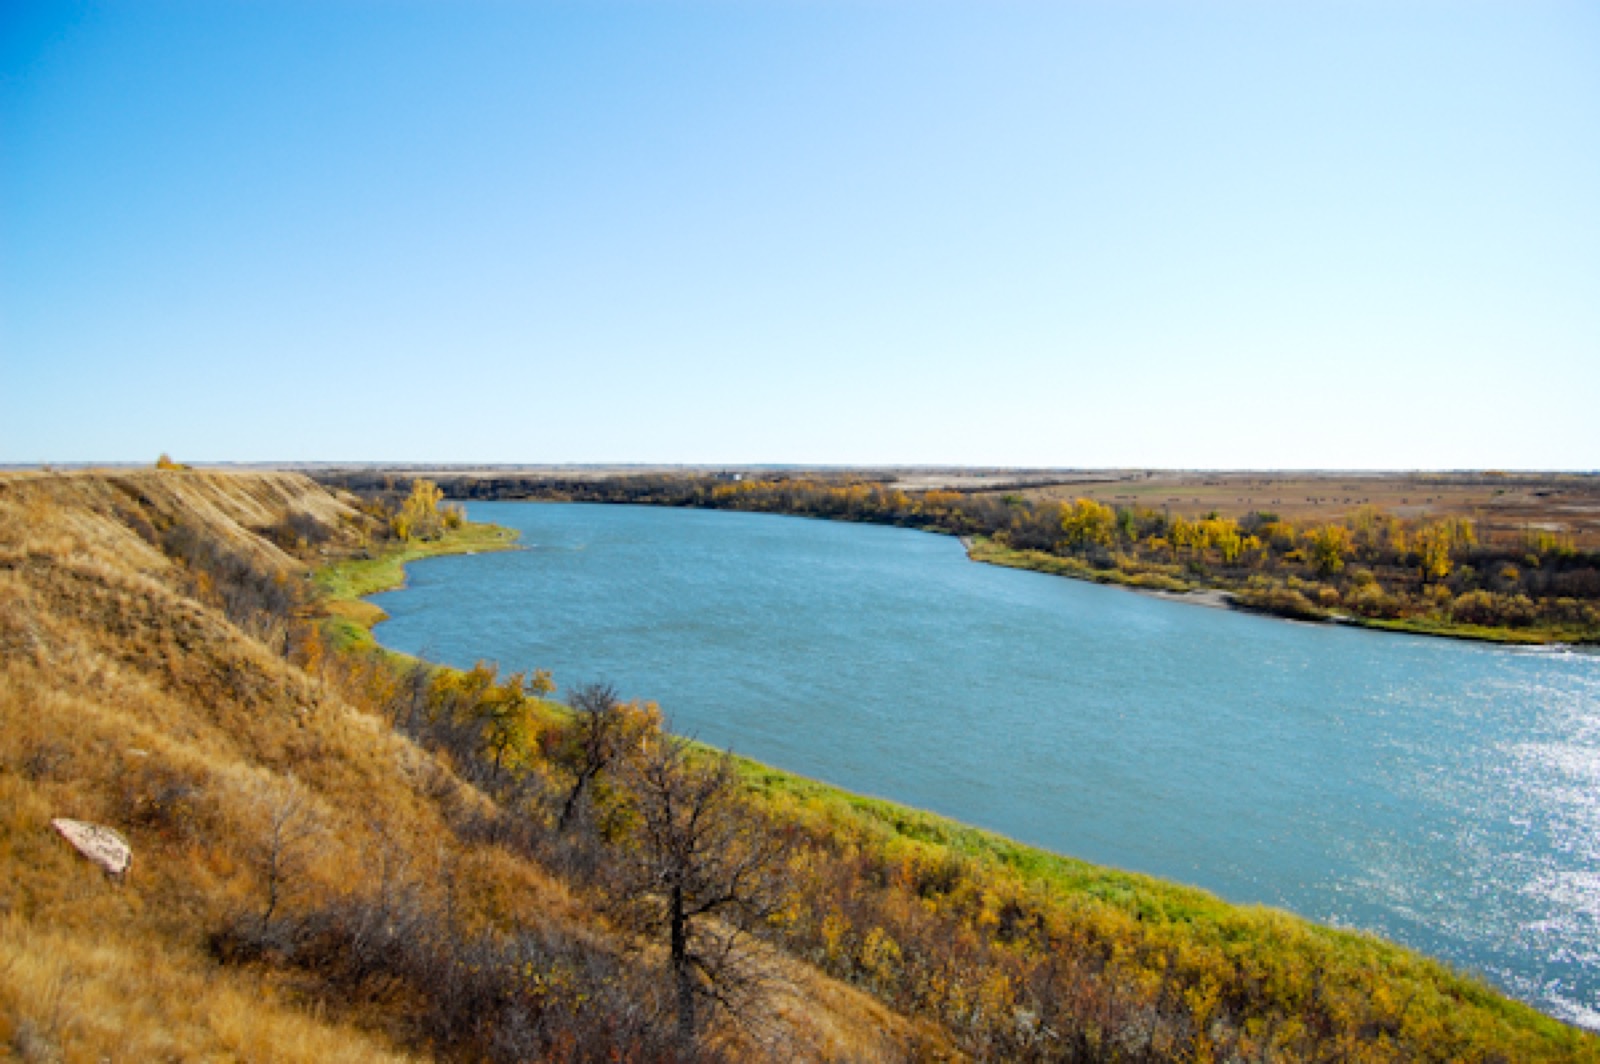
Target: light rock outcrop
<point x="102" y="845"/>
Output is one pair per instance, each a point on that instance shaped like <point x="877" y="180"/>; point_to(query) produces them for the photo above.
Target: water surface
<point x="1443" y="794"/>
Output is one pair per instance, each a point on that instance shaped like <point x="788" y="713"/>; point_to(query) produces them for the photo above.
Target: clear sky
<point x="1117" y="233"/>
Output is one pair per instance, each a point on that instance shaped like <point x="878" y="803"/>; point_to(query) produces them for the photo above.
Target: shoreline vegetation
<point x="990" y="553"/>
<point x="344" y="853"/>
<point x="1422" y="575"/>
<point x="346" y="583"/>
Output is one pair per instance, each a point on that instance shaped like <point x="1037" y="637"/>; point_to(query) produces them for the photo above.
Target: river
<point x="1442" y="794"/>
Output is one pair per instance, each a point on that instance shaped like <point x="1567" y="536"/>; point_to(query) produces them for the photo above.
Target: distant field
<point x="1568" y="504"/>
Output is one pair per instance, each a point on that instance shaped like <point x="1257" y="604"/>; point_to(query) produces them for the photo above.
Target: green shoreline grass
<point x="354" y="578"/>
<point x="346" y="583"/>
<point x="983" y="549"/>
<point x="1187" y="917"/>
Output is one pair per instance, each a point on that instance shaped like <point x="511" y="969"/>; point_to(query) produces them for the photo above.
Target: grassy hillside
<point x="340" y="854"/>
<point x="154" y="678"/>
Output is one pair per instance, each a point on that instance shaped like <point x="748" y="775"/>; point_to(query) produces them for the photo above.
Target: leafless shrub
<point x="535" y="994"/>
<point x="252" y="596"/>
<point x="408" y="708"/>
<point x="44" y="759"/>
<point x="307" y="528"/>
<point x="288" y="837"/>
<point x="160" y="797"/>
<point x="700" y="870"/>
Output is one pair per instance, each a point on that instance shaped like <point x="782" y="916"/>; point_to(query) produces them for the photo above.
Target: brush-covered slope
<point x="306" y="883"/>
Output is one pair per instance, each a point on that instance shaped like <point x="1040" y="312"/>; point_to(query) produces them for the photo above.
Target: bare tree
<point x="288" y="839"/>
<point x="602" y="729"/>
<point x="702" y="869"/>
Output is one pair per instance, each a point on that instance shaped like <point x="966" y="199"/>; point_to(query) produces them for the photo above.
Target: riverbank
<point x="345" y="583"/>
<point x="992" y="886"/>
<point x="1290" y="607"/>
<point x="982" y="550"/>
<point x="1413" y="570"/>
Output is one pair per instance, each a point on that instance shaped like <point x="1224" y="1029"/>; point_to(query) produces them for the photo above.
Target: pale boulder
<point x="102" y="845"/>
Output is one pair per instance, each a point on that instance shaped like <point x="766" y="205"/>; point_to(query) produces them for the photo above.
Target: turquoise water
<point x="1443" y="794"/>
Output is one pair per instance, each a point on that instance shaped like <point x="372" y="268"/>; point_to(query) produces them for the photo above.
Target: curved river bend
<point x="1443" y="794"/>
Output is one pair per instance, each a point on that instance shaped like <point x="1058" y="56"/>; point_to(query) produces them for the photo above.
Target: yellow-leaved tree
<point x="419" y="516"/>
<point x="1329" y="545"/>
<point x="1433" y="551"/>
<point x="1087" y="522"/>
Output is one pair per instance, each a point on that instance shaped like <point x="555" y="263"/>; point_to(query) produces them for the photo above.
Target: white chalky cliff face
<point x="102" y="845"/>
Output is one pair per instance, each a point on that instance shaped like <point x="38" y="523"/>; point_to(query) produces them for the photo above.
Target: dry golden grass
<point x="66" y="996"/>
<point x="128" y="698"/>
<point x="124" y="701"/>
<point x="825" y="1019"/>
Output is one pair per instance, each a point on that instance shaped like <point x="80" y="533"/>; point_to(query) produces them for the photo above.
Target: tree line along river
<point x="1443" y="794"/>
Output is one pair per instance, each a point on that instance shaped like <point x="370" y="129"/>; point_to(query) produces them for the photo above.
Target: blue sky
<point x="1187" y="234"/>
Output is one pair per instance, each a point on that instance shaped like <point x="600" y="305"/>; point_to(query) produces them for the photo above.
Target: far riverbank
<point x="1427" y="574"/>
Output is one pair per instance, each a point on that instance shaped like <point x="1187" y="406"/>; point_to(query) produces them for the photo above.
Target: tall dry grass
<point x="307" y="883"/>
